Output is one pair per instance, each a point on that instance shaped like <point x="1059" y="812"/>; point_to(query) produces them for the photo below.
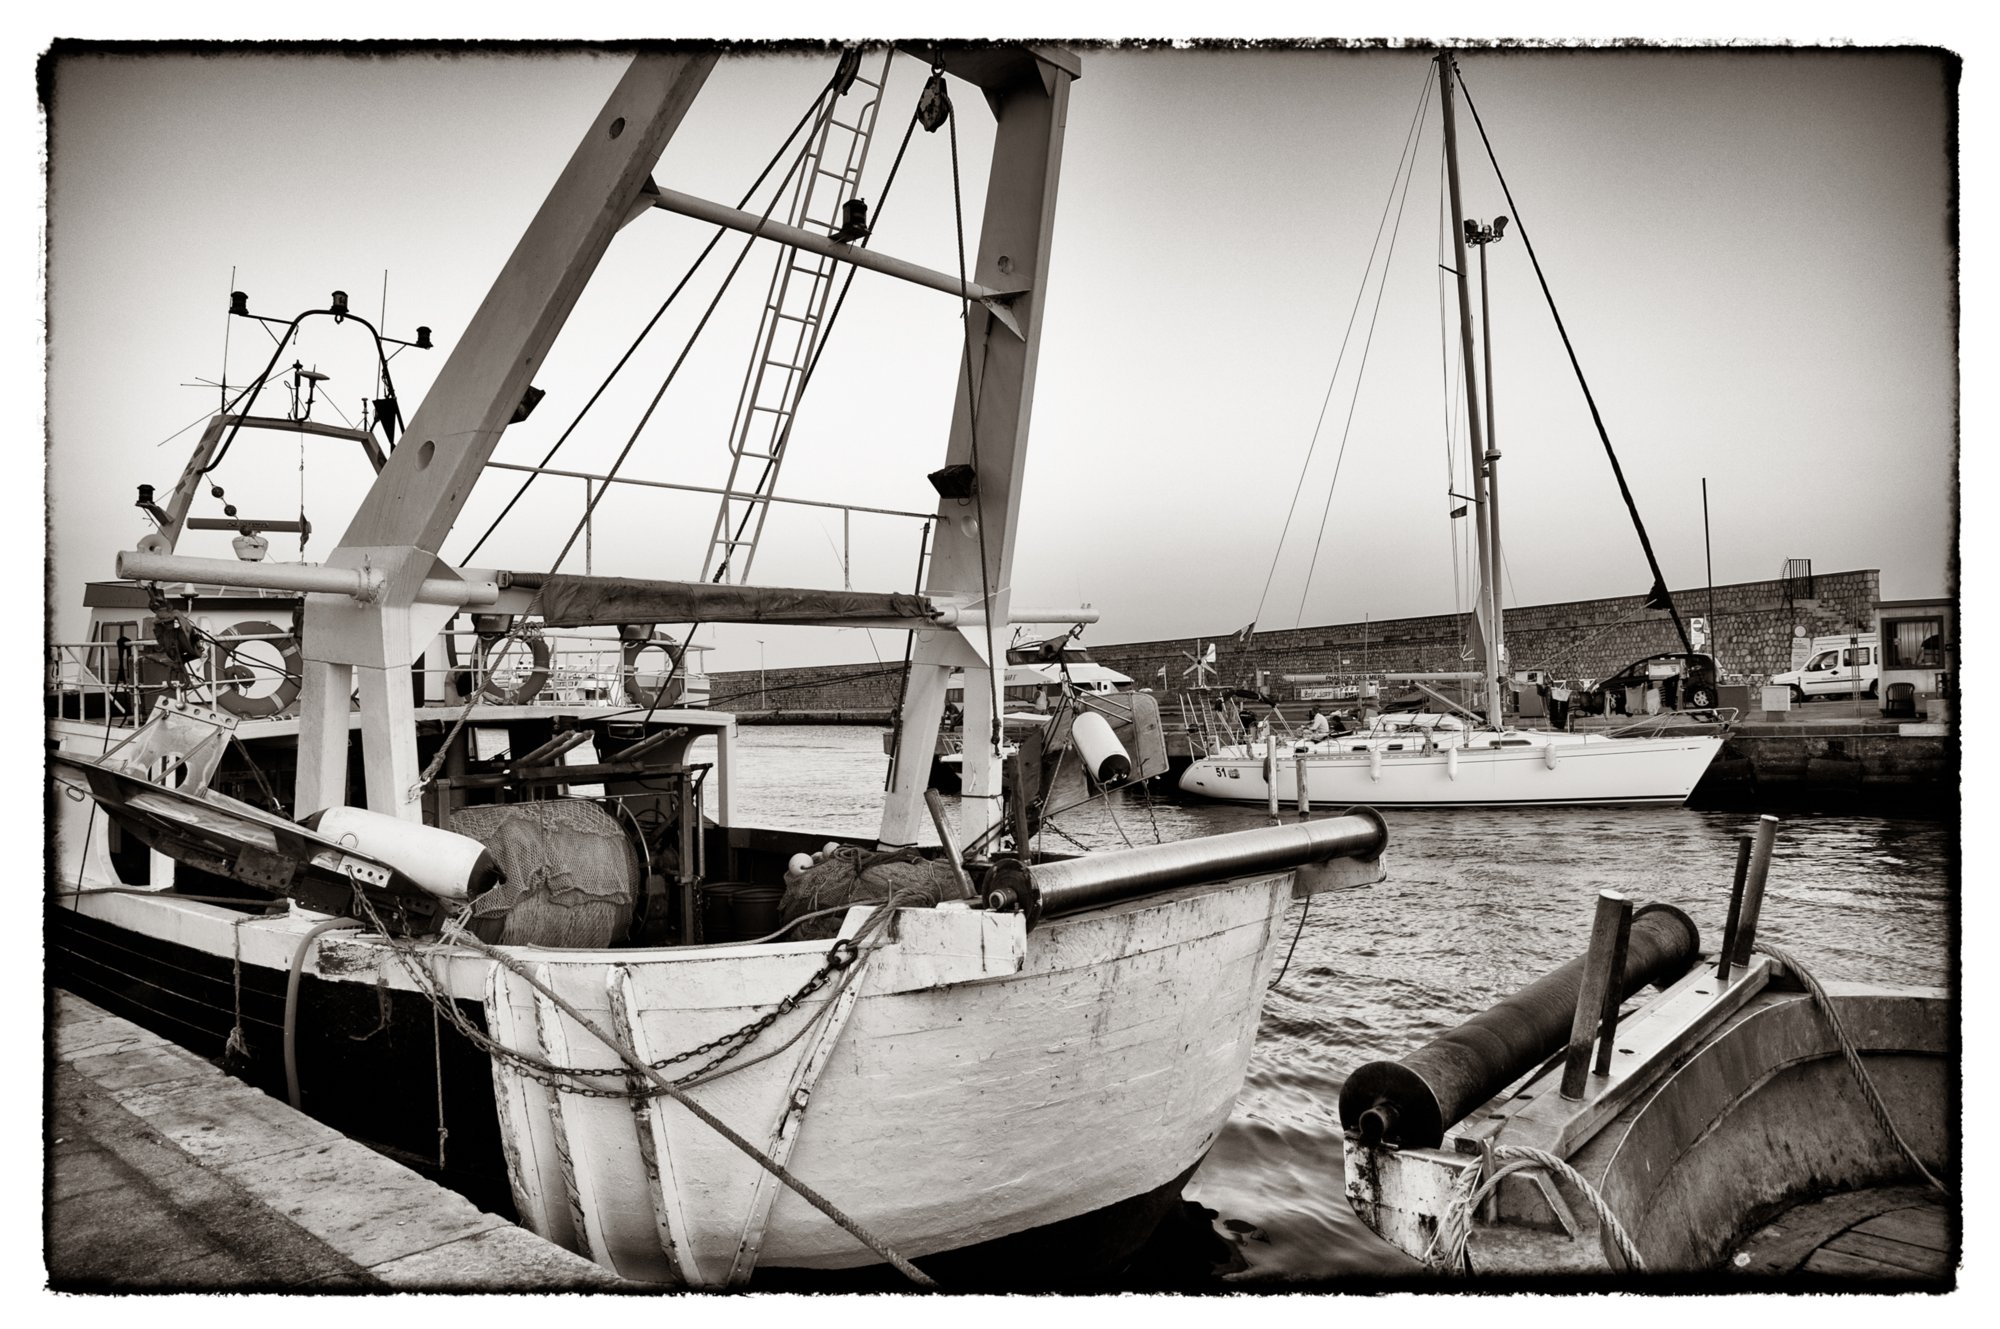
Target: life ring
<point x="671" y="688"/>
<point x="231" y="678"/>
<point x="526" y="689"/>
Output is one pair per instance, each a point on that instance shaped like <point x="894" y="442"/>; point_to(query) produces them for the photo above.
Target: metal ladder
<point x="788" y="335"/>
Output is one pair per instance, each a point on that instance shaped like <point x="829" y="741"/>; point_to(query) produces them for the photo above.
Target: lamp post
<point x="763" y="704"/>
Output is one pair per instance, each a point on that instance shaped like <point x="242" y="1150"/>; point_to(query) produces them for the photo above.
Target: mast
<point x="1489" y="597"/>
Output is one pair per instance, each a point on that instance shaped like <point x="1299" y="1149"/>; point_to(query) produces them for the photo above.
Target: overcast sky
<point x="1752" y="252"/>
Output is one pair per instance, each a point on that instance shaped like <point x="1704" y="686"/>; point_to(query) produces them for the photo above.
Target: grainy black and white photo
<point x="914" y="667"/>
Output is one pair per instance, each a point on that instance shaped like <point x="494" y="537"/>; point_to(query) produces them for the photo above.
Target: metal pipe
<point x="935" y="802"/>
<point x="1305" y="795"/>
<point x="1753" y="887"/>
<point x="1723" y="960"/>
<point x="1613" y="910"/>
<point x="1071" y="884"/>
<point x="364" y="584"/>
<point x="1411" y="1101"/>
<point x="701" y="209"/>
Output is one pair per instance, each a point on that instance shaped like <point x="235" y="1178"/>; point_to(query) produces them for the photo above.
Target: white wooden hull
<point x="1530" y="769"/>
<point x="986" y="1083"/>
<point x="983" y="1080"/>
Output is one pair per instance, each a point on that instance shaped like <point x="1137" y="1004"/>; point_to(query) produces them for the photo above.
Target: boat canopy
<point x="568" y="601"/>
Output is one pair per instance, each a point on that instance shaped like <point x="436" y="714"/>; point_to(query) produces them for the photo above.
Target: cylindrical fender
<point x="1103" y="756"/>
<point x="670" y="690"/>
<point x="229" y="680"/>
<point x="1374" y="763"/>
<point x="1451" y="762"/>
<point x="528" y="688"/>
<point x="448" y="865"/>
<point x="1549" y="756"/>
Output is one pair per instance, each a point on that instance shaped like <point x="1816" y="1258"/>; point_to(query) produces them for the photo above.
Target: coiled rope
<point x="1852" y="1055"/>
<point x="1447" y="1251"/>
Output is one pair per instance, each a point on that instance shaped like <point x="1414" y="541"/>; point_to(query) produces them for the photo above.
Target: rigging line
<point x="749" y="242"/>
<point x="1596" y="418"/>
<point x="1367" y="344"/>
<point x="658" y="314"/>
<point x="1360" y="291"/>
<point x="993" y="662"/>
<point x="820" y="342"/>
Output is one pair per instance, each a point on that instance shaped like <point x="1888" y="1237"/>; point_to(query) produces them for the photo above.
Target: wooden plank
<point x="1920" y="1225"/>
<point x="1891" y="1254"/>
<point x="1840" y="1264"/>
<point x="1789" y="1240"/>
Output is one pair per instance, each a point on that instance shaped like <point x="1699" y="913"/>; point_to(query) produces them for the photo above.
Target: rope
<point x="1367" y="344"/>
<point x="1333" y="378"/>
<point x="1447" y="1251"/>
<point x="237" y="1043"/>
<point x="1852" y="1055"/>
<point x="1604" y="436"/>
<point x="1293" y="947"/>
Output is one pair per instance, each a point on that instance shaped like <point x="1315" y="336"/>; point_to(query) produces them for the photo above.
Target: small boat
<point x="526" y="947"/>
<point x="1458" y="757"/>
<point x="1742" y="1121"/>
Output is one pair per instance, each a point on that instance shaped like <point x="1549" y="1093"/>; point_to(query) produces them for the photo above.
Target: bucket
<point x="753" y="911"/>
<point x="717" y="923"/>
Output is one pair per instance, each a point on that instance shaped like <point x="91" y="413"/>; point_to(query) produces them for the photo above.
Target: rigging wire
<point x="673" y="372"/>
<point x="1596" y="418"/>
<point x="1360" y="291"/>
<point x="1368" y="342"/>
<point x="993" y="662"/>
<point x="811" y="112"/>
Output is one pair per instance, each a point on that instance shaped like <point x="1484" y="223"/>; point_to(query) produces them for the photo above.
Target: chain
<point x="1048" y="825"/>
<point x="566" y="1078"/>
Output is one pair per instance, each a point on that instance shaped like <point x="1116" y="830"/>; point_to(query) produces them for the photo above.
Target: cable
<point x="1360" y="291"/>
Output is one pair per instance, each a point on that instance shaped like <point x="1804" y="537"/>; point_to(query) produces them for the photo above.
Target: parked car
<point x="1849" y="664"/>
<point x="1686" y="681"/>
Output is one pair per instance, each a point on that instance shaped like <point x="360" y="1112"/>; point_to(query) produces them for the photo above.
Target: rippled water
<point x="1478" y="903"/>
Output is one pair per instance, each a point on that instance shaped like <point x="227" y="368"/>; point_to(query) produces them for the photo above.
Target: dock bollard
<point x="1725" y="958"/>
<point x="1753" y="887"/>
<point x="1614" y="915"/>
<point x="1271" y="773"/>
<point x="1305" y="797"/>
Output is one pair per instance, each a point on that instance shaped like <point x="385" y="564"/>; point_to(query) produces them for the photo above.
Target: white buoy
<point x="1103" y="756"/>
<point x="445" y="863"/>
<point x="1374" y="763"/>
<point x="1451" y="762"/>
<point x="1549" y="755"/>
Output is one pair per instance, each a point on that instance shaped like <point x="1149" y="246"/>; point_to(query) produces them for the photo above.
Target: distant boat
<point x="1458" y="758"/>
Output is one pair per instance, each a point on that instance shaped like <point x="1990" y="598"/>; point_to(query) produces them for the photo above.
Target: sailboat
<point x="1005" y="1073"/>
<point x="1454" y="756"/>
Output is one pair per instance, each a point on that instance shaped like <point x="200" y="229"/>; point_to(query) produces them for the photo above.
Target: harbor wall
<point x="1752" y="630"/>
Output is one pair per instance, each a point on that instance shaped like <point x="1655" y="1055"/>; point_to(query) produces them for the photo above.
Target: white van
<point x="1848" y="664"/>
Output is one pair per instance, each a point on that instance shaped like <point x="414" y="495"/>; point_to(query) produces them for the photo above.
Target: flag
<point x="1248" y="628"/>
<point x="1657" y="598"/>
<point x="1208" y="656"/>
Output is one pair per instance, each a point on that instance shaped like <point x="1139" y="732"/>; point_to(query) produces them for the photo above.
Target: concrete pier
<point x="164" y="1174"/>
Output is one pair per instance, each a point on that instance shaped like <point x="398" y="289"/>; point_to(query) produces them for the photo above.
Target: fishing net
<point x="848" y="875"/>
<point x="571" y="873"/>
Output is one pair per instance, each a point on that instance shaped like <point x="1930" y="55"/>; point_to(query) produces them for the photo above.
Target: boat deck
<point x="1896" y="1234"/>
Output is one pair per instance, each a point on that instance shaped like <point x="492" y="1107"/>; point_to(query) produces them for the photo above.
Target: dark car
<point x="1692" y="690"/>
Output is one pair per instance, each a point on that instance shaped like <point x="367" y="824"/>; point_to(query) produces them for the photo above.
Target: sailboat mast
<point x="1482" y="516"/>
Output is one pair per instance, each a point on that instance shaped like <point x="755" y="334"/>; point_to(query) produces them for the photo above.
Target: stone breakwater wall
<point x="1751" y="633"/>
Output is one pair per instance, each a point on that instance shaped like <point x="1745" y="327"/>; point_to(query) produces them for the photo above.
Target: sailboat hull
<point x="1527" y="770"/>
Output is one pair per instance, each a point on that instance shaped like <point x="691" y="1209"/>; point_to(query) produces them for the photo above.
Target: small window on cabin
<point x="1513" y="743"/>
<point x="1913" y="643"/>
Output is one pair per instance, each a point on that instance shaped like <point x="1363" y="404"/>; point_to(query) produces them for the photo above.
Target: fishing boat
<point x="553" y="981"/>
<point x="1454" y="756"/>
<point x="1652" y="1110"/>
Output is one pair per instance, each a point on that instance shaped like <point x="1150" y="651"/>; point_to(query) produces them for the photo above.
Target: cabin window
<point x="105" y="662"/>
<point x="1513" y="743"/>
<point x="1913" y="643"/>
<point x="1824" y="660"/>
